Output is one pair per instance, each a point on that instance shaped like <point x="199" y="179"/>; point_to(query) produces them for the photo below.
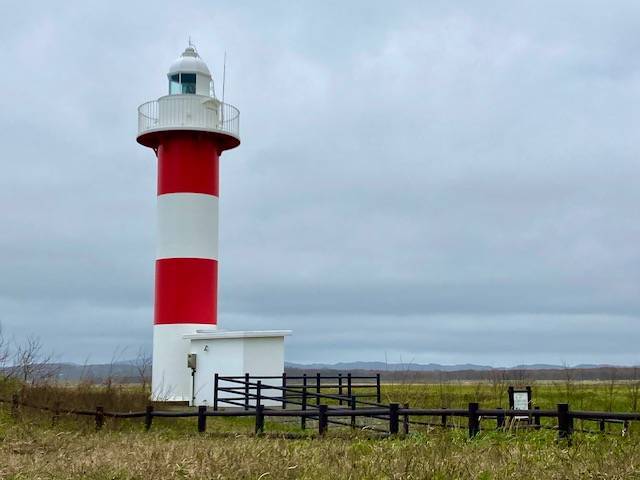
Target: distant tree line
<point x="604" y="373"/>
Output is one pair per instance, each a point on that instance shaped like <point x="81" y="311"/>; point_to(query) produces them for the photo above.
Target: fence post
<point x="500" y="419"/>
<point x="303" y="419"/>
<point x="511" y="401"/>
<point x="340" y="387"/>
<point x="246" y="391"/>
<point x="536" y="418"/>
<point x="259" y="419"/>
<point x="625" y="428"/>
<point x="318" y="388"/>
<point x="349" y="389"/>
<point x="603" y="426"/>
<point x="215" y="392"/>
<point x="259" y="393"/>
<point x="322" y="419"/>
<point x="393" y="418"/>
<point x="148" y="417"/>
<point x="352" y="401"/>
<point x="304" y="383"/>
<point x="202" y="418"/>
<point x="284" y="390"/>
<point x="474" y="419"/>
<point x="378" y="388"/>
<point x="15" y="405"/>
<point x="56" y="414"/>
<point x="405" y="420"/>
<point x="565" y="426"/>
<point x="443" y="419"/>
<point x="99" y="417"/>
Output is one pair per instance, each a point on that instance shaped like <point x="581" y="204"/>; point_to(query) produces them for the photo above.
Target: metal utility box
<point x="191" y="360"/>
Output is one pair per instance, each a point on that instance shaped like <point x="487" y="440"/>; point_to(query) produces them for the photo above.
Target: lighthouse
<point x="188" y="130"/>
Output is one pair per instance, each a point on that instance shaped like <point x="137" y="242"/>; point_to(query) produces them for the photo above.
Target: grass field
<point x="601" y="396"/>
<point x="31" y="448"/>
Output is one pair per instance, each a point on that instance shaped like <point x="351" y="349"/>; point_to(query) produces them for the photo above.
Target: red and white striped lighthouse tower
<point x="188" y="129"/>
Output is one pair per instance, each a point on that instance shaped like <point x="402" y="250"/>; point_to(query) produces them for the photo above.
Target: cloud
<point x="415" y="180"/>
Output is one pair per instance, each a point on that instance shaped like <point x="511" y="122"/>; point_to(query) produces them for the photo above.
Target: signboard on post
<point x="520" y="399"/>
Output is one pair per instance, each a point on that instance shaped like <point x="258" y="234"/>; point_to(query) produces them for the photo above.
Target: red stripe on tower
<point x="188" y="162"/>
<point x="186" y="291"/>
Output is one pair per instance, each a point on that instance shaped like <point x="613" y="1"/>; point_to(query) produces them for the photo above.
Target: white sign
<point x="520" y="401"/>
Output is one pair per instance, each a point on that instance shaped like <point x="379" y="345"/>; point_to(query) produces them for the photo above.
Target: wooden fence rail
<point x="324" y="414"/>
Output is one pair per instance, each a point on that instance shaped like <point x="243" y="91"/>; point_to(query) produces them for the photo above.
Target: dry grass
<point x="81" y="396"/>
<point x="31" y="448"/>
<point x="35" y="452"/>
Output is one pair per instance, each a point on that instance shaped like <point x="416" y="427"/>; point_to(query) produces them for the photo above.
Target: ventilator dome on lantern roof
<point x="189" y="62"/>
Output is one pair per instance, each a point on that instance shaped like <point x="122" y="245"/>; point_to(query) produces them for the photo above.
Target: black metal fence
<point x="248" y="391"/>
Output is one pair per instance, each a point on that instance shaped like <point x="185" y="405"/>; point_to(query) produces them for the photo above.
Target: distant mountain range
<point x="419" y="367"/>
<point x="129" y="371"/>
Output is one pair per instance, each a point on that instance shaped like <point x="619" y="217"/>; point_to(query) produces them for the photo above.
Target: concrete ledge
<point x="215" y="334"/>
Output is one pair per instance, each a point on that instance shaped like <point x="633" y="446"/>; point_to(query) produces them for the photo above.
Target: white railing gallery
<point x="188" y="111"/>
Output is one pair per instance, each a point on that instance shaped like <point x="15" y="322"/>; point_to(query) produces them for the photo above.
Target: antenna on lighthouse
<point x="224" y="74"/>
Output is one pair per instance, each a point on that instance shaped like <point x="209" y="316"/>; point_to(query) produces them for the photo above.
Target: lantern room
<point x="189" y="75"/>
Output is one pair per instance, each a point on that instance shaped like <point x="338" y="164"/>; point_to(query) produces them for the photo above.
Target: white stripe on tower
<point x="187" y="226"/>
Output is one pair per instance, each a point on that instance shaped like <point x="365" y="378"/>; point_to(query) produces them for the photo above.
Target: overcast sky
<point x="418" y="181"/>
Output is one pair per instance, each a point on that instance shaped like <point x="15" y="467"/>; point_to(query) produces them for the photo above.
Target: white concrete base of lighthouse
<point x="171" y="378"/>
<point x="234" y="353"/>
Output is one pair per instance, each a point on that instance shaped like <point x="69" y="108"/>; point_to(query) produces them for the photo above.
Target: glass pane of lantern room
<point x="188" y="81"/>
<point x="174" y="84"/>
